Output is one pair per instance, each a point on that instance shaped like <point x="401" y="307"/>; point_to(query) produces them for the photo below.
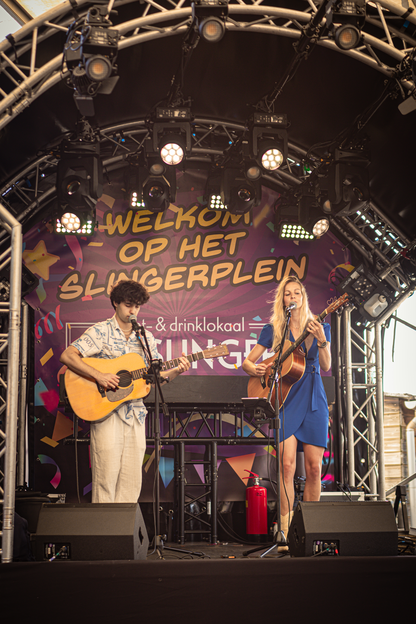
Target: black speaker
<point x="90" y="532"/>
<point x="343" y="528"/>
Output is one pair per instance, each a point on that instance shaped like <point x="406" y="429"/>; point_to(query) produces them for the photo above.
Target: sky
<point x="400" y="366"/>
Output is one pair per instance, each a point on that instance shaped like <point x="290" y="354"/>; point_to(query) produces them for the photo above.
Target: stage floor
<point x="222" y="586"/>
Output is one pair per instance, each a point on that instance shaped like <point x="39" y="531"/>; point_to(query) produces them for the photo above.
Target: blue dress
<point x="304" y="413"/>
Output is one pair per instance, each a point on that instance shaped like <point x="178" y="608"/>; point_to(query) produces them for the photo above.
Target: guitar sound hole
<point x="125" y="379"/>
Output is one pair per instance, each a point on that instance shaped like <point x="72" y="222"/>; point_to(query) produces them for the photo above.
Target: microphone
<point x="292" y="306"/>
<point x="134" y="323"/>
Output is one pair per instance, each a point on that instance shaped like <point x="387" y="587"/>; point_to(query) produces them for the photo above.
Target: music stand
<point x="262" y="406"/>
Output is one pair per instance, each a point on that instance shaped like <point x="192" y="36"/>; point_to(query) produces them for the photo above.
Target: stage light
<point x="347" y="184"/>
<point x="294" y="232"/>
<point x="81" y="223"/>
<point x="311" y="216"/>
<point x="79" y="177"/>
<point x="98" y="68"/>
<point x="370" y="295"/>
<point x="135" y="202"/>
<point x="269" y="140"/>
<point x="212" y="193"/>
<point x="172" y="149"/>
<point x="156" y="195"/>
<point x="239" y="194"/>
<point x="90" y="55"/>
<point x="347" y="37"/>
<point x="154" y="192"/>
<point x="79" y="185"/>
<point x="253" y="171"/>
<point x="270" y="155"/>
<point x="210" y="16"/>
<point x="300" y="218"/>
<point x="320" y="227"/>
<point x="172" y="135"/>
<point x="350" y="15"/>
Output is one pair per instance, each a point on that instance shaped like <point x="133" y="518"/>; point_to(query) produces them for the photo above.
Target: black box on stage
<point x="91" y="532"/>
<point x="347" y="528"/>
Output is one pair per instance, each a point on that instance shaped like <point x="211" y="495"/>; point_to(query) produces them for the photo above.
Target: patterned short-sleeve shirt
<point x="106" y="340"/>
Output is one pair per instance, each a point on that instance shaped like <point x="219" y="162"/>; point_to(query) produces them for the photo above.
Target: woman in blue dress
<point x="304" y="415"/>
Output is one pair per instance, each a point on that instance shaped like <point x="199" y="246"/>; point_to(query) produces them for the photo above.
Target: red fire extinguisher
<point x="256" y="507"/>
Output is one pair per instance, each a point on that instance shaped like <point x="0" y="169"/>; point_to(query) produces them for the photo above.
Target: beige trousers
<point x="117" y="452"/>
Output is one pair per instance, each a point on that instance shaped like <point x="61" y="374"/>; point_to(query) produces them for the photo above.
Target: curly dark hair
<point x="129" y="292"/>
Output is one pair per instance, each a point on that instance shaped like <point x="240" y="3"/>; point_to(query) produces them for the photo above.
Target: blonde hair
<point x="278" y="317"/>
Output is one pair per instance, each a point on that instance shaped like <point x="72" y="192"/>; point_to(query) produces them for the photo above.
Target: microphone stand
<point x="153" y="377"/>
<point x="279" y="539"/>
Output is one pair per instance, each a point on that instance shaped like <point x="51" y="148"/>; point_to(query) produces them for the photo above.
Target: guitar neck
<point x="193" y="357"/>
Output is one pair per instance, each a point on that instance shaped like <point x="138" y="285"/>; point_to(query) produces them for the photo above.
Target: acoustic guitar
<point x="292" y="364"/>
<point x="91" y="402"/>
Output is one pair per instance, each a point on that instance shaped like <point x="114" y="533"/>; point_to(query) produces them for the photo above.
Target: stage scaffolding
<point x="12" y="383"/>
<point x="370" y="233"/>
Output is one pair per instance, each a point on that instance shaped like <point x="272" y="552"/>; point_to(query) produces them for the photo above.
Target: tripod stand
<point x="263" y="407"/>
<point x="153" y="376"/>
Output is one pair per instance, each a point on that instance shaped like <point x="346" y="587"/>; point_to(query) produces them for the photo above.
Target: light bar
<point x="294" y="232"/>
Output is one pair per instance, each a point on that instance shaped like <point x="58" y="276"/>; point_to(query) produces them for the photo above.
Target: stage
<point x="217" y="584"/>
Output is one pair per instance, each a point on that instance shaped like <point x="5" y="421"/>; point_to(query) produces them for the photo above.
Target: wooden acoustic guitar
<point x="292" y="364"/>
<point x="93" y="403"/>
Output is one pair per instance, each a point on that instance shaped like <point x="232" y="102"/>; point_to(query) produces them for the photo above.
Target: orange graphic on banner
<point x="241" y="464"/>
<point x="63" y="427"/>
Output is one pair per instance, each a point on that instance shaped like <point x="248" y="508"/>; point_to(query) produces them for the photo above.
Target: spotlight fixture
<point x="300" y="219"/>
<point x="79" y="185"/>
<point x="269" y="140"/>
<point x="155" y="196"/>
<point x="172" y="149"/>
<point x="156" y="188"/>
<point x="210" y="16"/>
<point x="239" y="194"/>
<point x="311" y="217"/>
<point x="90" y="54"/>
<point x="172" y="135"/>
<point x="370" y="295"/>
<point x="286" y="221"/>
<point x="212" y="194"/>
<point x="350" y="16"/>
<point x="29" y="282"/>
<point x="81" y="222"/>
<point x="79" y="178"/>
<point x="253" y="171"/>
<point x="347" y="183"/>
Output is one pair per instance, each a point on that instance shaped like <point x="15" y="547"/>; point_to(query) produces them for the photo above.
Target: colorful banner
<point x="211" y="277"/>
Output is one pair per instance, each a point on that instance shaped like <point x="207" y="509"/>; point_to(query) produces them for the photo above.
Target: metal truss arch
<point x="384" y="45"/>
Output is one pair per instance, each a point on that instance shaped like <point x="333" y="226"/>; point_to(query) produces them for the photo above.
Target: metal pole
<point x="372" y="456"/>
<point x="339" y="397"/>
<point x="349" y="397"/>
<point x="380" y="411"/>
<point x="22" y="425"/>
<point x="12" y="384"/>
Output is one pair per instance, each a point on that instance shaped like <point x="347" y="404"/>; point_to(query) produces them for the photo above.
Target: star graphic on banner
<point x="38" y="260"/>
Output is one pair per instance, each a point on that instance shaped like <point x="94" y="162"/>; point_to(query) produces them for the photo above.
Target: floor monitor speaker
<point x="345" y="528"/>
<point x="90" y="532"/>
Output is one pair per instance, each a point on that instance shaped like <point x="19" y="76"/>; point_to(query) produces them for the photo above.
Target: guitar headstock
<point x="214" y="352"/>
<point x="337" y="304"/>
